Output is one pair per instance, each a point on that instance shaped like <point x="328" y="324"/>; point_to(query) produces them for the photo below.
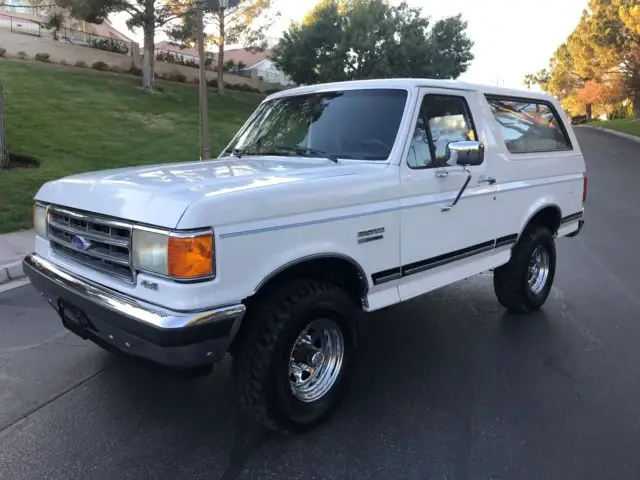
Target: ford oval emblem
<point x="80" y="243"/>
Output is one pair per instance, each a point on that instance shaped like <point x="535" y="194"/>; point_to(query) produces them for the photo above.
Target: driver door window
<point x="442" y="119"/>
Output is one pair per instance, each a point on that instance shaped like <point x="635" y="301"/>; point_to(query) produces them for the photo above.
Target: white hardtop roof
<point x="410" y="83"/>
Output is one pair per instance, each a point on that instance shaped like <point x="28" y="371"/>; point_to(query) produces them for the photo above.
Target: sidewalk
<point x="13" y="248"/>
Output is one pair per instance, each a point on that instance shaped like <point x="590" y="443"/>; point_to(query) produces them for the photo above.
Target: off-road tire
<point x="510" y="280"/>
<point x="260" y="362"/>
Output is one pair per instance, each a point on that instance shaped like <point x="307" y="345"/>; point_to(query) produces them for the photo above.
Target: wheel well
<point x="340" y="271"/>
<point x="549" y="216"/>
<point x="337" y="270"/>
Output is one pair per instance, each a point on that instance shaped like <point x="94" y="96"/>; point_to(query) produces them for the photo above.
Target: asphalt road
<point x="449" y="387"/>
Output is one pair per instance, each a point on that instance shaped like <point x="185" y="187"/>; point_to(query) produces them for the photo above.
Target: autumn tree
<point x="358" y="39"/>
<point x="242" y="21"/>
<point x="565" y="83"/>
<point x="601" y="95"/>
<point x="606" y="44"/>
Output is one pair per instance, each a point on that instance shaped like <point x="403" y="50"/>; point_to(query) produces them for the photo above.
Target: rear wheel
<point x="523" y="284"/>
<point x="296" y="351"/>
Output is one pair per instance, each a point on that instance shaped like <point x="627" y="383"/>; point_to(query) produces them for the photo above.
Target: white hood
<point x="160" y="194"/>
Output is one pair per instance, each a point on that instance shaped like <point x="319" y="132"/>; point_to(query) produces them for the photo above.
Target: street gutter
<point x="628" y="136"/>
<point x="12" y="276"/>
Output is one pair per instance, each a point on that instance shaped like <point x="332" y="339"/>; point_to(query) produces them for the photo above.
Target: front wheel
<point x="296" y="351"/>
<point x="523" y="284"/>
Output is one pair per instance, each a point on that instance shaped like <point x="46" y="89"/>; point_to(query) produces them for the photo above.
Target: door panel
<point x="440" y="245"/>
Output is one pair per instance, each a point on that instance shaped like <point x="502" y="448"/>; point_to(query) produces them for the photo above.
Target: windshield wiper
<point x="308" y="151"/>
<point x="240" y="152"/>
<point x="237" y="152"/>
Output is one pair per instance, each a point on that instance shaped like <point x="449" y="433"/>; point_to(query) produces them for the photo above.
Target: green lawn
<point x="76" y="120"/>
<point x="626" y="126"/>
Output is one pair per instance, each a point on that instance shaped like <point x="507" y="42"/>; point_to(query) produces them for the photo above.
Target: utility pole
<point x="205" y="152"/>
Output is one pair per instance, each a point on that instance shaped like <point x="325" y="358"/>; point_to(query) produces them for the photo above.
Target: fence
<point x="64" y="34"/>
<point x="185" y="59"/>
<point x="20" y="25"/>
<point x="78" y="37"/>
<point x="266" y="75"/>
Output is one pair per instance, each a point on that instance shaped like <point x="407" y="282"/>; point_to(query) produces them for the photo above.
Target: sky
<point x="512" y="37"/>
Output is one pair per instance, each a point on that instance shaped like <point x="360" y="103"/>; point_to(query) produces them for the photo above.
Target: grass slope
<point x="74" y="120"/>
<point x="626" y="126"/>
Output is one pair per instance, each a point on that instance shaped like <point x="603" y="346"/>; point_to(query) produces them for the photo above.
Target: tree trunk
<point x="221" y="42"/>
<point x="4" y="156"/>
<point x="588" y="110"/>
<point x="149" y="29"/>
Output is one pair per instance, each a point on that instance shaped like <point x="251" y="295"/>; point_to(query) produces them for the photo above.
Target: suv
<point x="331" y="201"/>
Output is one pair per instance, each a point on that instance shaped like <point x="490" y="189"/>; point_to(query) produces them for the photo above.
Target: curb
<point x="628" y="136"/>
<point x="11" y="272"/>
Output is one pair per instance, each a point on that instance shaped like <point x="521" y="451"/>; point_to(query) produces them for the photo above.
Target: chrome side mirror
<point x="465" y="153"/>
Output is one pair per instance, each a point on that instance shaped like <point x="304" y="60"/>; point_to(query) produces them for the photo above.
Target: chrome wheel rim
<point x="315" y="360"/>
<point x="538" y="270"/>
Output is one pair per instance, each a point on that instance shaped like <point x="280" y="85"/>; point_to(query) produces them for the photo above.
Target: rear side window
<point x="529" y="126"/>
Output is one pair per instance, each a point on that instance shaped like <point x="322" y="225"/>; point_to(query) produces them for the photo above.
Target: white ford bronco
<point x="331" y="201"/>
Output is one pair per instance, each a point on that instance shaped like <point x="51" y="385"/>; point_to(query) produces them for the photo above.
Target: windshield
<point x="348" y="124"/>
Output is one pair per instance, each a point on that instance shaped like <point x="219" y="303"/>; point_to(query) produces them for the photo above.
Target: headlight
<point x="176" y="255"/>
<point x="40" y="220"/>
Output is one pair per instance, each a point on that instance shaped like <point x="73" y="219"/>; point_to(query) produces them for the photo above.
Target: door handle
<point x="489" y="180"/>
<point x="441" y="173"/>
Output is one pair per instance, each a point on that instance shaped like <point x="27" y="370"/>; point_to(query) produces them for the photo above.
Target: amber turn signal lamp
<point x="190" y="257"/>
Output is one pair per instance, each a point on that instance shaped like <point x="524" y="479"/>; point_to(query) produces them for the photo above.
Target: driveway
<point x="449" y="387"/>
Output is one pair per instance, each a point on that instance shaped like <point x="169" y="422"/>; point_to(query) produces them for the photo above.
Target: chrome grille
<point x="99" y="243"/>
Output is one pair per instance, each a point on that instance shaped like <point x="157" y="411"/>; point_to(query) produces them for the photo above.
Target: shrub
<point x="23" y="55"/>
<point x="55" y="21"/>
<point x="3" y="52"/>
<point x="117" y="69"/>
<point x="174" y="77"/>
<point x="270" y="91"/>
<point x="579" y="120"/>
<point x="42" y="57"/>
<point x="81" y="64"/>
<point x="63" y="62"/>
<point x="248" y="88"/>
<point x="169" y="57"/>
<point x="136" y="71"/>
<point x="109" y="45"/>
<point x="100" y="65"/>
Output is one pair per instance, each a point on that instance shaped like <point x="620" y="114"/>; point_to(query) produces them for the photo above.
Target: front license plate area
<point x="74" y="319"/>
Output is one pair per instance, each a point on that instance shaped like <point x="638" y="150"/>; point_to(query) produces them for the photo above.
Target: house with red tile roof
<point x="257" y="65"/>
<point x="254" y="64"/>
<point x="187" y="53"/>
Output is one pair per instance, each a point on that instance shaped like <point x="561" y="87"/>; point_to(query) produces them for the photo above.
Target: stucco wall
<point x="192" y="74"/>
<point x="58" y="51"/>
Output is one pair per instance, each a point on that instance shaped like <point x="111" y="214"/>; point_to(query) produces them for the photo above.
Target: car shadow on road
<point x="413" y="392"/>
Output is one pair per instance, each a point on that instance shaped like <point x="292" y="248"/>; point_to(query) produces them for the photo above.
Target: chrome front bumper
<point x="113" y="320"/>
